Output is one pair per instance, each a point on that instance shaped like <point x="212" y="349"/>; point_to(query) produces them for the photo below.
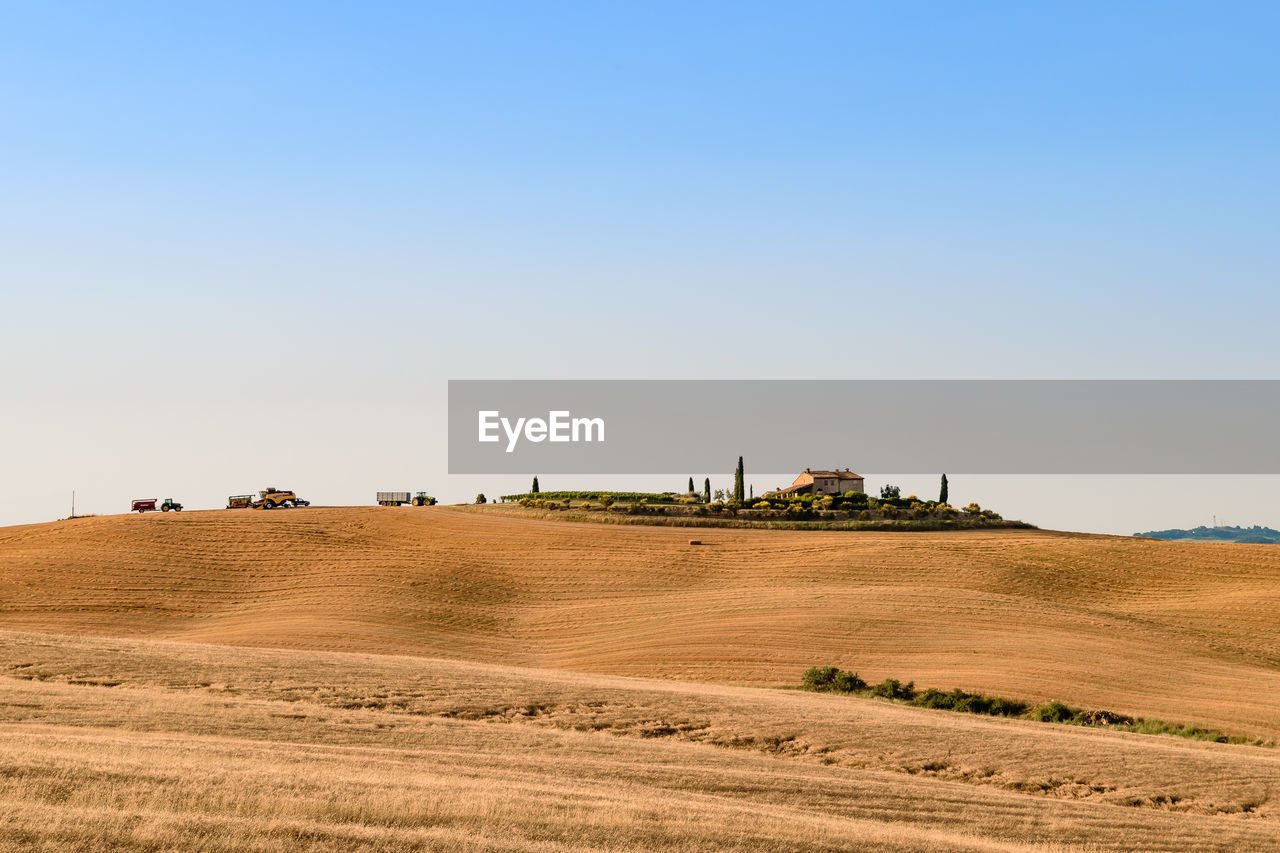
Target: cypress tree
<point x="706" y="490"/>
<point x="535" y="484"/>
<point x="739" y="486"/>
<point x="691" y="485"/>
<point x="942" y="496"/>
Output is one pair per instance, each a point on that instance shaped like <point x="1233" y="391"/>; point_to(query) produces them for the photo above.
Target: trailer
<point x="239" y="501"/>
<point x="143" y="505"/>
<point x="393" y="498"/>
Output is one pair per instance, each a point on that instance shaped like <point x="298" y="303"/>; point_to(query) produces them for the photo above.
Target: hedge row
<point x="651" y="497"/>
<point x="830" y="679"/>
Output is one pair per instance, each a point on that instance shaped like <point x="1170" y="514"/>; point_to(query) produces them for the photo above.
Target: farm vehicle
<point x="272" y="497"/>
<point x="398" y="498"/>
<point x="149" y="505"/>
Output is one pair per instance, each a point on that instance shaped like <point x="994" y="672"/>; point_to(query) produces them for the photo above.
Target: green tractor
<point x="170" y="504"/>
<point x="423" y="499"/>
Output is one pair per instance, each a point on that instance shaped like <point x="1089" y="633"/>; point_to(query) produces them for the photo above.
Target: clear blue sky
<point x="243" y="243"/>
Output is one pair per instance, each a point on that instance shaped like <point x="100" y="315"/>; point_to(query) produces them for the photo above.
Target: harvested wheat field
<point x="637" y="706"/>
<point x="139" y="745"/>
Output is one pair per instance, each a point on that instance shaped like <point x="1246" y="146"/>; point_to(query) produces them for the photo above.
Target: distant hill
<point x="1252" y="535"/>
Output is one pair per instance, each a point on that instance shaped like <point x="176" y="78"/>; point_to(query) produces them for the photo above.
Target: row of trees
<point x="887" y="492"/>
<point x="893" y="493"/>
<point x="738" y="478"/>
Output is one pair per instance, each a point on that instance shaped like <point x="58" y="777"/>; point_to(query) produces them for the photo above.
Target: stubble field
<point x="543" y="685"/>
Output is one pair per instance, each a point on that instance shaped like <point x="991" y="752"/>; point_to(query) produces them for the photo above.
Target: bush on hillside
<point x="969" y="703"/>
<point x="1055" y="712"/>
<point x="848" y="682"/>
<point x="820" y="677"/>
<point x="892" y="688"/>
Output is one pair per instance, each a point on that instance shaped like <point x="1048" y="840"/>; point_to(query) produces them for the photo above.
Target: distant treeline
<point x="1250" y="535"/>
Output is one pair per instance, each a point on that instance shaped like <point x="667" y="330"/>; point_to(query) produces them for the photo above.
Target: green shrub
<point x="820" y="677"/>
<point x="1001" y="707"/>
<point x="892" y="688"/>
<point x="606" y="501"/>
<point x="480" y="498"/>
<point x="933" y="698"/>
<point x="848" y="682"/>
<point x="762" y="505"/>
<point x="1055" y="712"/>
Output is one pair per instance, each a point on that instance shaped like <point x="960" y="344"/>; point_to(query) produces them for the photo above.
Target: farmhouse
<point x="812" y="482"/>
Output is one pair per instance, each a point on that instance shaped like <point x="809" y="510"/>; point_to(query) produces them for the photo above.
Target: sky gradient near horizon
<point x="247" y="244"/>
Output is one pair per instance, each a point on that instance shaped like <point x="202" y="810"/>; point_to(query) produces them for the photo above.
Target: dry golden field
<point x="634" y="707"/>
<point x="141" y="745"/>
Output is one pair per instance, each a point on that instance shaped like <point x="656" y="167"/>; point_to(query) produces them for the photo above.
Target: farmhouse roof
<point x="846" y="474"/>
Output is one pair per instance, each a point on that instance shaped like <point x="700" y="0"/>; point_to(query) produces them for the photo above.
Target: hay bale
<point x="695" y="541"/>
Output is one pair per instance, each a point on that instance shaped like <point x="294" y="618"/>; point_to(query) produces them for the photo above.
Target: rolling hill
<point x="1178" y="631"/>
<point x="388" y="679"/>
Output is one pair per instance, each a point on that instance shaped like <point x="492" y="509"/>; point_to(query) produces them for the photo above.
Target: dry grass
<point x="1184" y="632"/>
<point x="112" y="736"/>
<point x="148" y="746"/>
